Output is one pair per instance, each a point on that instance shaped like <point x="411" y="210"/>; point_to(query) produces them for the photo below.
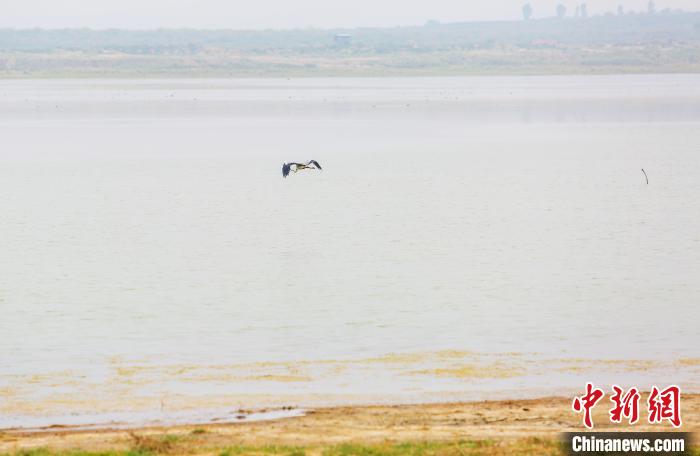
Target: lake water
<point x="468" y="238"/>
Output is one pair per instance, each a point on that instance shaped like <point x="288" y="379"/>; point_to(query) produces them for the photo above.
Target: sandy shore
<point x="495" y="427"/>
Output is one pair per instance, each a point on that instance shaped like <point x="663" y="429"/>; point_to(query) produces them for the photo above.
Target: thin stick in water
<point x="645" y="175"/>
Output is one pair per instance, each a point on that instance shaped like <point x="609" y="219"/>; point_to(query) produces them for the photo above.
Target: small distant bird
<point x="296" y="167"/>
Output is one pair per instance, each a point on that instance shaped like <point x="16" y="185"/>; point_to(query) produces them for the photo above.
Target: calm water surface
<point x="145" y="224"/>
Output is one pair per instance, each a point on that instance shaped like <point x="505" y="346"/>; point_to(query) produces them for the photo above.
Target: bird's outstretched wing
<point x="285" y="169"/>
<point x="315" y="163"/>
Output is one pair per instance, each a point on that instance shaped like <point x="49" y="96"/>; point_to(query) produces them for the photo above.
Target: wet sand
<point x="502" y="426"/>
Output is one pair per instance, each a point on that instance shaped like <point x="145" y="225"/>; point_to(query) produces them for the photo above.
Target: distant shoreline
<point x="604" y="44"/>
<point x="359" y="73"/>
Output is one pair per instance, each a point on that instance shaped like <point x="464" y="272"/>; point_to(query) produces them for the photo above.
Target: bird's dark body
<point x="295" y="167"/>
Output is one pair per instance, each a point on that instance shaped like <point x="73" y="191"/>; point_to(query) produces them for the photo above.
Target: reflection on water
<point x="147" y="222"/>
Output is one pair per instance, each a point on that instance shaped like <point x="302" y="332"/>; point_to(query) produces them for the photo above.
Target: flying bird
<point x="296" y="167"/>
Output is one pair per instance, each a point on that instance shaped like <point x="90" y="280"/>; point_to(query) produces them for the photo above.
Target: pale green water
<point x="147" y="222"/>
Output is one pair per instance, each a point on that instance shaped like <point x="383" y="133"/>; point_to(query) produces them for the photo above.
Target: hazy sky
<point x="254" y="14"/>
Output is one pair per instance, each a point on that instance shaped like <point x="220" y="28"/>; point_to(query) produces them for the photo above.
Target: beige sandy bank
<point x="495" y="427"/>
